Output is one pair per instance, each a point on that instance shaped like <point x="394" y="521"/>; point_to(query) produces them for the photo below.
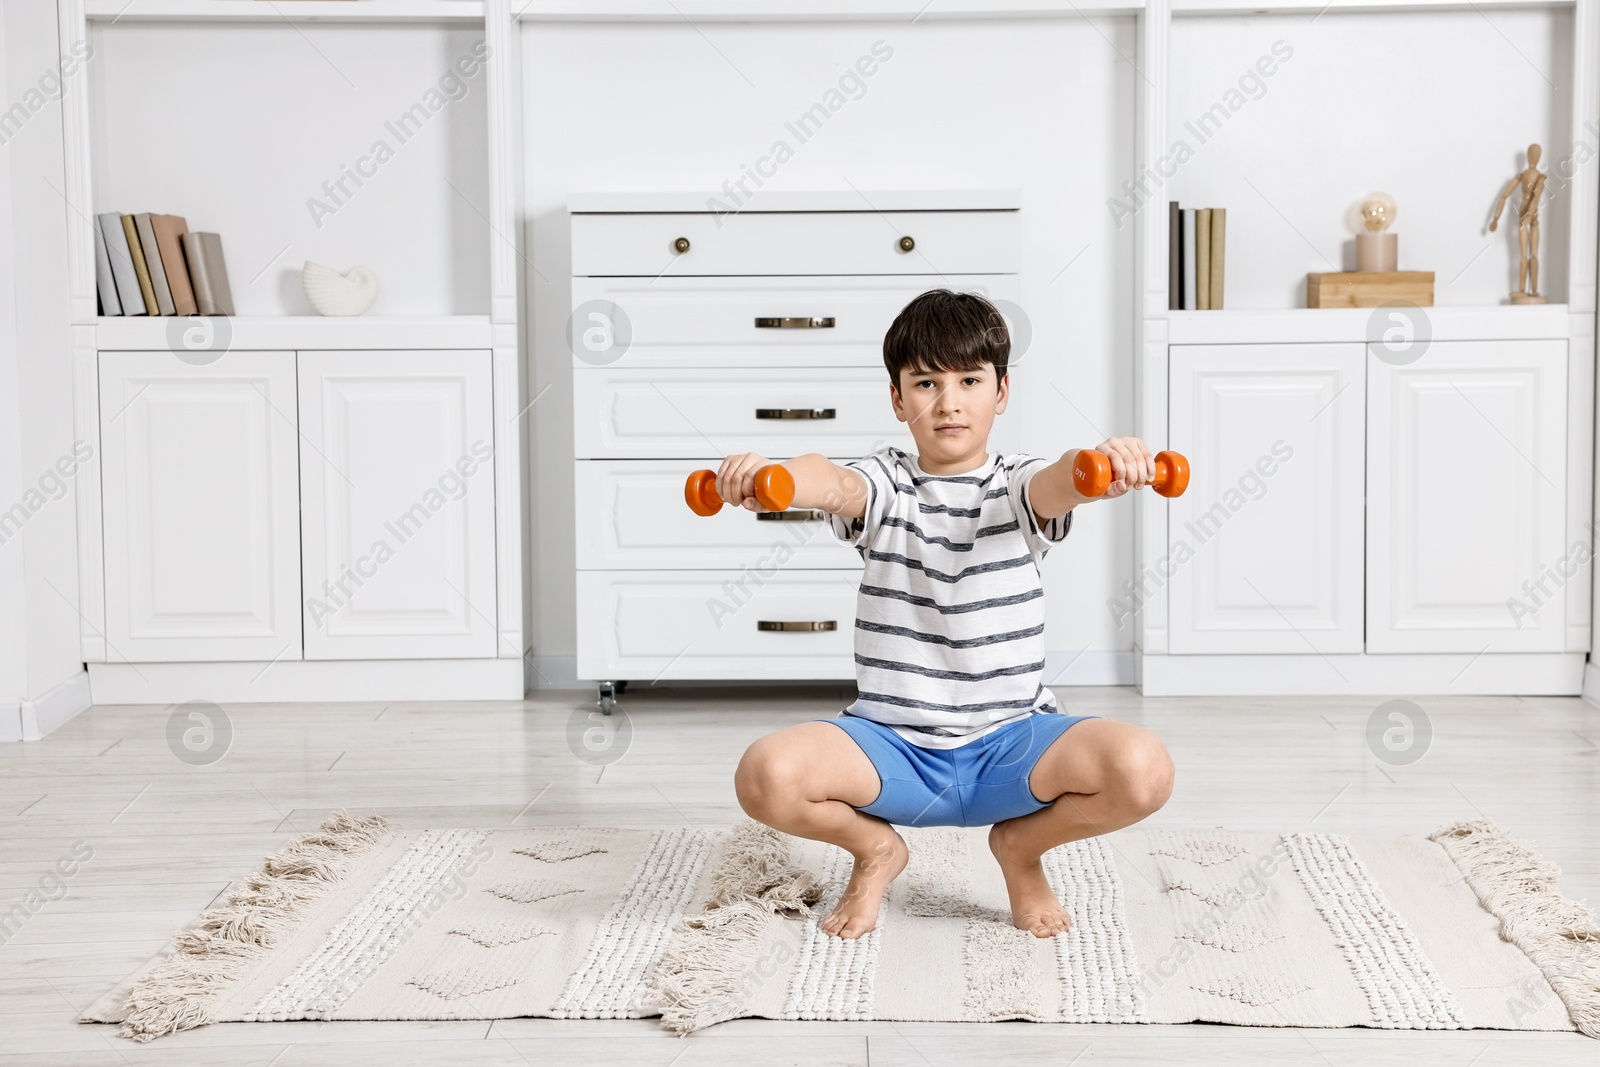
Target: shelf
<point x="777" y="200"/>
<point x="1316" y="7"/>
<point x="697" y="11"/>
<point x="1297" y="325"/>
<point x="291" y="11"/>
<point x="145" y="334"/>
<point x="443" y="11"/>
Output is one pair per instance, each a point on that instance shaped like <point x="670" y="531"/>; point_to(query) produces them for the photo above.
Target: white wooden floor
<point x="168" y="836"/>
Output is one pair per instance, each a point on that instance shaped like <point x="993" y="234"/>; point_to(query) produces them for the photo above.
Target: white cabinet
<point x="761" y="331"/>
<point x="1265" y="546"/>
<point x="304" y="519"/>
<point x="397" y="484"/>
<point x="1359" y="522"/>
<point x="201" y="507"/>
<point x="1466" y="494"/>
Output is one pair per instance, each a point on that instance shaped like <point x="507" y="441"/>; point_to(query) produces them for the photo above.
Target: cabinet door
<point x="397" y="498"/>
<point x="202" y="540"/>
<point x="640" y="244"/>
<point x="764" y="623"/>
<point x="631" y="516"/>
<point x="1265" y="546"/>
<point x="740" y="322"/>
<point x="677" y="413"/>
<point x="1466" y="483"/>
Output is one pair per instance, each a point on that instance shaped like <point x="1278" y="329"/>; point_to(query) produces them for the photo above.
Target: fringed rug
<point x="1464" y="929"/>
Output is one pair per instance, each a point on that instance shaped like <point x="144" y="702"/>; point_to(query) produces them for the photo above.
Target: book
<point x="146" y="292"/>
<point x="207" y="273"/>
<point x="1188" y="259"/>
<point x="105" y="281"/>
<point x="1219" y="231"/>
<point x="1202" y="258"/>
<point x="152" y="263"/>
<point x="169" y="229"/>
<point x="121" y="264"/>
<point x="1174" y="256"/>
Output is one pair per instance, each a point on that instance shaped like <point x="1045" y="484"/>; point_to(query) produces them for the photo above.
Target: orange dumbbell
<point x="774" y="490"/>
<point x="1091" y="473"/>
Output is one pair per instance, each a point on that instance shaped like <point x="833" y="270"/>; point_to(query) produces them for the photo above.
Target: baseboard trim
<point x="1591" y="683"/>
<point x="33" y="720"/>
<point x="1418" y="674"/>
<point x="1060" y="668"/>
<point x="61" y="704"/>
<point x="307" y="681"/>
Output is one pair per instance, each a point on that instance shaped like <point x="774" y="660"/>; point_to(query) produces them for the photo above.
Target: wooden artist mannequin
<point x="1532" y="183"/>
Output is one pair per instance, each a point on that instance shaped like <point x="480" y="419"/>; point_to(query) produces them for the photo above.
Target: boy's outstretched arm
<point x="1053" y="494"/>
<point x="818" y="483"/>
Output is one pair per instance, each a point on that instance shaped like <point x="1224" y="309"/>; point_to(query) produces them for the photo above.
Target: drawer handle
<point x="792" y="515"/>
<point x="795" y="413"/>
<point x="907" y="243"/>
<point x="795" y="323"/>
<point x="796" y="627"/>
<point x="681" y="245"/>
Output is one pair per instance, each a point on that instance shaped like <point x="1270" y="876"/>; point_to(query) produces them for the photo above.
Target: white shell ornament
<point x="332" y="293"/>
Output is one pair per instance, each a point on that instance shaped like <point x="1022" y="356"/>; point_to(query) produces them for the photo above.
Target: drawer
<point x="699" y="624"/>
<point x="713" y="322"/>
<point x="810" y="242"/>
<point x="631" y="515"/>
<point x="689" y="414"/>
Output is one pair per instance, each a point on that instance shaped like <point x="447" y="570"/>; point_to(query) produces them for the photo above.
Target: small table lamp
<point x="1377" y="250"/>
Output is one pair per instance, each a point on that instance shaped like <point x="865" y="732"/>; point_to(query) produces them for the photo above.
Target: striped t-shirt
<point x="950" y="615"/>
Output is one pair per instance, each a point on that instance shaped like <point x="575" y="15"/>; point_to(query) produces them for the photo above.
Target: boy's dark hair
<point x="942" y="330"/>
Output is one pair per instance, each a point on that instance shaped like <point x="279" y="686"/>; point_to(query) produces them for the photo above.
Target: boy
<point x="953" y="724"/>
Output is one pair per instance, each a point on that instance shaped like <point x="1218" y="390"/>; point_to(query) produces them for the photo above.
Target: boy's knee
<point x="769" y="776"/>
<point x="1146" y="772"/>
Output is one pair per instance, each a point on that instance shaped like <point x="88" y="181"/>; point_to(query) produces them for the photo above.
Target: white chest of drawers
<point x="696" y="334"/>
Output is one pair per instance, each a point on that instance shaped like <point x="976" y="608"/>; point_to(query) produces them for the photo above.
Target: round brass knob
<point x="907" y="244"/>
<point x="681" y="245"/>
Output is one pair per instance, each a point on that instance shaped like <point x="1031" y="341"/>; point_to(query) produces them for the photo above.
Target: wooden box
<point x="1369" y="289"/>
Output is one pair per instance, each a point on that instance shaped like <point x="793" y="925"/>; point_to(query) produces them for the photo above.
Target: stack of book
<point x="1195" y="240"/>
<point x="152" y="265"/>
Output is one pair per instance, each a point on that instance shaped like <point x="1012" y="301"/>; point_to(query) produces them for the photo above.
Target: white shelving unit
<point x="361" y="11"/>
<point x="1451" y="93"/>
<point x="469" y="234"/>
<point x="190" y="110"/>
<point x="1377" y="514"/>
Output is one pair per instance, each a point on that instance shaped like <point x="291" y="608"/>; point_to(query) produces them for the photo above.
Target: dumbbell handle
<point x="774" y="489"/>
<point x="1091" y="473"/>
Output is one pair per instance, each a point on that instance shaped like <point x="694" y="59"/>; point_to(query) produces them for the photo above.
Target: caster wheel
<point x="606" y="694"/>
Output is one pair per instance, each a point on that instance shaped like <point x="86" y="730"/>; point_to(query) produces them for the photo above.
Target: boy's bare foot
<point x="857" y="911"/>
<point x="1034" y="907"/>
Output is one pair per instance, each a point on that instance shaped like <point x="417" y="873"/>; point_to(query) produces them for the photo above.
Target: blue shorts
<point x="978" y="784"/>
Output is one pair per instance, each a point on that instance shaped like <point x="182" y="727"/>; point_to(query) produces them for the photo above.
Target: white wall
<point x="1044" y="106"/>
<point x="1401" y="87"/>
<point x="334" y="92"/>
<point x="41" y="675"/>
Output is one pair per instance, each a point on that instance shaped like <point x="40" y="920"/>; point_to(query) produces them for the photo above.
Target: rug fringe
<point x="224" y="942"/>
<point x="707" y="973"/>
<point x="1520" y="889"/>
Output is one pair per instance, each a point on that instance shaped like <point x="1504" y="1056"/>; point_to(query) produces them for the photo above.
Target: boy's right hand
<point x="736" y="479"/>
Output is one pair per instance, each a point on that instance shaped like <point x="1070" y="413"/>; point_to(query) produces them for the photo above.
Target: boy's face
<point x="950" y="412"/>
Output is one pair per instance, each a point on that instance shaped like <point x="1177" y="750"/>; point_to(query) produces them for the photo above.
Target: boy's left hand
<point x="1132" y="465"/>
